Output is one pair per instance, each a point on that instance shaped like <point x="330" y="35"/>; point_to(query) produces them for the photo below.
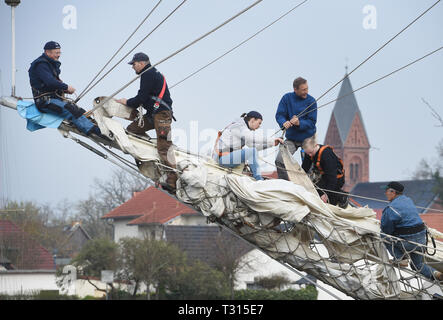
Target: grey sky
<point x="314" y="41"/>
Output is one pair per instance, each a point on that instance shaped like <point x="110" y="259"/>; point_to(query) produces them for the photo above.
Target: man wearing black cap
<point x="153" y="96"/>
<point x="401" y="219"/>
<point x="48" y="89"/>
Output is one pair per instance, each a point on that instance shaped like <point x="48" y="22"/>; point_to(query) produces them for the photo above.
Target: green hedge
<point x="308" y="293"/>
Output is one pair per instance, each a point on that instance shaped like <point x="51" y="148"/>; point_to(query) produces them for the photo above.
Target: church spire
<point x="347" y="134"/>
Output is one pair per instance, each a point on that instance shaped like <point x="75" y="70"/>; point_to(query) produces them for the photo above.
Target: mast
<point x="13" y="4"/>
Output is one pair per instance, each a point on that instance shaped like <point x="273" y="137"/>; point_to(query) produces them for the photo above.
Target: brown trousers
<point x="161" y="122"/>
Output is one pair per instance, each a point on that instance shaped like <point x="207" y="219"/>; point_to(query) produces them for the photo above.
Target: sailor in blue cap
<point x="48" y="89"/>
<point x="402" y="220"/>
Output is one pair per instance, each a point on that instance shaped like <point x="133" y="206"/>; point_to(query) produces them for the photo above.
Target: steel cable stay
<point x="173" y="54"/>
<point x="118" y="50"/>
<point x="118" y="62"/>
<point x="291" y="258"/>
<point x="323" y="267"/>
<point x="372" y="82"/>
<point x="343" y="193"/>
<point x="238" y="45"/>
<point x="131" y="166"/>
<point x="369" y="57"/>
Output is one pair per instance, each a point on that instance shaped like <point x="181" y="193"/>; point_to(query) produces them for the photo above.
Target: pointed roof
<point x="149" y="206"/>
<point x="32" y="255"/>
<point x="345" y="109"/>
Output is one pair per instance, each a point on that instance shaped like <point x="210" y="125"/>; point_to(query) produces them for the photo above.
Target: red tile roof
<point x="30" y="254"/>
<point x="433" y="220"/>
<point x="150" y="206"/>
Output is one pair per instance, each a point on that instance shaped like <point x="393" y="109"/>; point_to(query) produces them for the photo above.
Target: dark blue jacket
<point x="400" y="213"/>
<point x="44" y="75"/>
<point x="151" y="83"/>
<point x="292" y="105"/>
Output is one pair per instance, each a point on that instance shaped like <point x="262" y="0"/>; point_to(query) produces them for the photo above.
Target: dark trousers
<point x="68" y="111"/>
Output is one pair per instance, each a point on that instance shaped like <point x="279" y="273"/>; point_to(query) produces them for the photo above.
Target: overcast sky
<point x="315" y="41"/>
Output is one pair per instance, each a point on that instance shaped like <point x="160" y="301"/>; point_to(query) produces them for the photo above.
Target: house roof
<point x="203" y="242"/>
<point x="33" y="255"/>
<point x="345" y="110"/>
<point x="420" y="191"/>
<point x="150" y="206"/>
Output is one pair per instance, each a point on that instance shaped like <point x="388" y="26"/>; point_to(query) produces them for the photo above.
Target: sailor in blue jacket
<point x="401" y="219"/>
<point x="48" y="89"/>
<point x="297" y="113"/>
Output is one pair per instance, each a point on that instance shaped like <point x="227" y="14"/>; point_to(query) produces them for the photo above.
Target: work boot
<point x="171" y="183"/>
<point x="438" y="276"/>
<point x="401" y="263"/>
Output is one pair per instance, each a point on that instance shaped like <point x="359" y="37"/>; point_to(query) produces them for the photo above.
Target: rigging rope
<point x="119" y="49"/>
<point x="173" y="54"/>
<point x="343" y="193"/>
<point x="370" y="56"/>
<point x="372" y="82"/>
<point x="118" y="62"/>
<point x="238" y="45"/>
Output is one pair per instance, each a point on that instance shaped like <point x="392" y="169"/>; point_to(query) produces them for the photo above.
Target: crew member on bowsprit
<point x="153" y="96"/>
<point x="48" y="89"/>
<point x="325" y="169"/>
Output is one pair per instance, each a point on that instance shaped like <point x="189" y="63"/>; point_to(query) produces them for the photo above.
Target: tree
<point x="107" y="195"/>
<point x="275" y="281"/>
<point x="433" y="169"/>
<point x="229" y="258"/>
<point x="95" y="256"/>
<point x="196" y="281"/>
<point x="147" y="260"/>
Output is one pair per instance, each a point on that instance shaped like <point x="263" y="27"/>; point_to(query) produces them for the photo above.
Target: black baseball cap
<point x="51" y="45"/>
<point x="140" y="56"/>
<point x="397" y="186"/>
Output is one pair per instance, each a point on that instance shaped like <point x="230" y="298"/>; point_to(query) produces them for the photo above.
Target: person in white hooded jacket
<point x="229" y="147"/>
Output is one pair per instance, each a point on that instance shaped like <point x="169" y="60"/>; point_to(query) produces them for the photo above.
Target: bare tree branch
<point x="434" y="113"/>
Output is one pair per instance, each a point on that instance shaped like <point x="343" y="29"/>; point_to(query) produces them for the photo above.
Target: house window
<point x="352" y="171"/>
<point x="356" y="171"/>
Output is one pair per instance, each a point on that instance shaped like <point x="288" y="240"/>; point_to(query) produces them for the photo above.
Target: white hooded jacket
<point x="236" y="135"/>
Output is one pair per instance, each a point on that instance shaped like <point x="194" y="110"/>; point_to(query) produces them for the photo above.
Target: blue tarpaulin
<point x="36" y="119"/>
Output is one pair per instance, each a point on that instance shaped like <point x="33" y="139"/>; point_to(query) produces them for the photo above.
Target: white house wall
<point x="27" y="282"/>
<point x="121" y="229"/>
<point x="264" y="266"/>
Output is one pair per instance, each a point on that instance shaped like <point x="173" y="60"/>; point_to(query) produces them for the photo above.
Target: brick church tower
<point x="347" y="135"/>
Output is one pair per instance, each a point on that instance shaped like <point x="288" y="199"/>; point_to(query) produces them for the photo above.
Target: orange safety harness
<point x="219" y="134"/>
<point x="160" y="96"/>
<point x="341" y="171"/>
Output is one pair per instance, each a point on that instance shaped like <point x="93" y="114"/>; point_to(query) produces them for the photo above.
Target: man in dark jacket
<point x="48" y="89"/>
<point x="401" y="219"/>
<point x="326" y="171"/>
<point x="153" y="96"/>
<point x="297" y="113"/>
